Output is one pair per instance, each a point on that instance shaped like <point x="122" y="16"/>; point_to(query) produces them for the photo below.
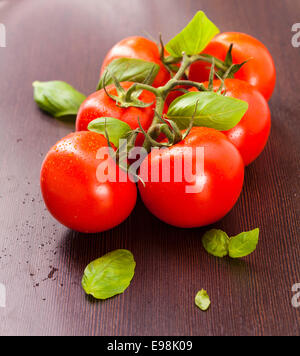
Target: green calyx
<point x="224" y="69"/>
<point x="126" y="99"/>
<point x="230" y="69"/>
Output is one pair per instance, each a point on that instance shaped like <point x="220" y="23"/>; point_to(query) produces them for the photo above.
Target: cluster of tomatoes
<point x="69" y="183"/>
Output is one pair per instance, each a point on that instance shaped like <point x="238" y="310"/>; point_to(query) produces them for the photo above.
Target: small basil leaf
<point x="202" y="300"/>
<point x="194" y="37"/>
<point x="243" y="244"/>
<point x="57" y="98"/>
<point x="129" y="70"/>
<point x="116" y="129"/>
<point x="213" y="110"/>
<point x="216" y="242"/>
<point x="109" y="275"/>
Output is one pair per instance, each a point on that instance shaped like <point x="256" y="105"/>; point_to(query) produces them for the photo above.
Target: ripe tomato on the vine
<point x="251" y="134"/>
<point x="138" y="48"/>
<point x="73" y="192"/>
<point x="259" y="71"/>
<point x="196" y="199"/>
<point x="99" y="104"/>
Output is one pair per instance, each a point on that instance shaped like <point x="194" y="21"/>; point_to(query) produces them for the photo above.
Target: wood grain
<point x="41" y="262"/>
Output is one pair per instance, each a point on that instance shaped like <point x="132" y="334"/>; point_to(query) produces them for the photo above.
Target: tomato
<point x="138" y="48"/>
<point x="259" y="71"/>
<point x="214" y="190"/>
<point x="99" y="104"/>
<point x="251" y="134"/>
<point x="73" y="192"/>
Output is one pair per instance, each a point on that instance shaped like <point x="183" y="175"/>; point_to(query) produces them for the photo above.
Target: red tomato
<point x="259" y="71"/>
<point x="216" y="189"/>
<point x="99" y="104"/>
<point x="138" y="48"/>
<point x="251" y="134"/>
<point x="73" y="192"/>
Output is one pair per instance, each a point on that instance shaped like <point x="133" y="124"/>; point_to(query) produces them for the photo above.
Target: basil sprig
<point x="208" y="109"/>
<point x="109" y="275"/>
<point x="129" y="70"/>
<point x="217" y="243"/>
<point x="194" y="37"/>
<point x="57" y="98"/>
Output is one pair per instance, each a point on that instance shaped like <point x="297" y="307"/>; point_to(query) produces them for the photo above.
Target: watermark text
<point x="2" y="296"/>
<point x="161" y="165"/>
<point x="296" y="297"/>
<point x="2" y="35"/>
<point x="296" y="37"/>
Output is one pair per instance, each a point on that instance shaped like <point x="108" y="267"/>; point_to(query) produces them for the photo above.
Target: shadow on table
<point x="151" y="241"/>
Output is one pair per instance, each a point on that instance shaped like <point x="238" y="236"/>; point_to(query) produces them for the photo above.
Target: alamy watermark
<point x="296" y="37"/>
<point x="185" y="165"/>
<point x="296" y="297"/>
<point x="2" y="35"/>
<point x="2" y="296"/>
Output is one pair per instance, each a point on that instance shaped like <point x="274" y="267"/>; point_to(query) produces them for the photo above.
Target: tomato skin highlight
<point x="99" y="104"/>
<point x="251" y="134"/>
<point x="138" y="48"/>
<point x="220" y="186"/>
<point x="259" y="71"/>
<point x="72" y="192"/>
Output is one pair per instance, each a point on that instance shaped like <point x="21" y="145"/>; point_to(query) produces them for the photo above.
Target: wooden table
<point x="41" y="262"/>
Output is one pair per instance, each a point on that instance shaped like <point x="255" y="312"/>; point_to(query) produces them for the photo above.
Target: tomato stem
<point x="162" y="92"/>
<point x="140" y="86"/>
<point x="199" y="57"/>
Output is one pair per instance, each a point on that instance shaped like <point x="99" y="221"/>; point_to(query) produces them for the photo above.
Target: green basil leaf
<point x="116" y="129"/>
<point x="57" y="98"/>
<point x="213" y="110"/>
<point x="109" y="275"/>
<point x="194" y="37"/>
<point x="202" y="300"/>
<point x="216" y="242"/>
<point x="129" y="70"/>
<point x="243" y="244"/>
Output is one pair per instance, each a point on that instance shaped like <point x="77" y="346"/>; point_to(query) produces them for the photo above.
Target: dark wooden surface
<point x="41" y="262"/>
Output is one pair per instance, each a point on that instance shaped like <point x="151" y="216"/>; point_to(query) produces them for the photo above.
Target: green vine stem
<point x="201" y="57"/>
<point x="162" y="92"/>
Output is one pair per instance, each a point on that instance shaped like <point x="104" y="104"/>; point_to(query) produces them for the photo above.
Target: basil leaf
<point x="57" y="98"/>
<point x="216" y="242"/>
<point x="109" y="275"/>
<point x="213" y="110"/>
<point x="129" y="70"/>
<point x="202" y="300"/>
<point x="194" y="37"/>
<point x="243" y="244"/>
<point x="115" y="129"/>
